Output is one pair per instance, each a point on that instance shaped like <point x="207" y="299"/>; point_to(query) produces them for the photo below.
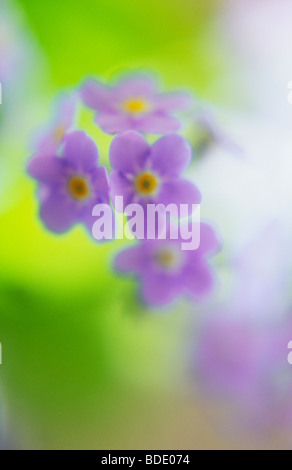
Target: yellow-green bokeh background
<point x="84" y="364"/>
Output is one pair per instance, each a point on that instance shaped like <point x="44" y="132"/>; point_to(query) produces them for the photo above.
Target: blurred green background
<point x="85" y="365"/>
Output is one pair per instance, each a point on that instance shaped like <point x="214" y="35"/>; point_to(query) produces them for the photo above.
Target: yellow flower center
<point x="78" y="187"/>
<point x="135" y="105"/>
<point x="168" y="258"/>
<point x="146" y="183"/>
<point x="59" y="133"/>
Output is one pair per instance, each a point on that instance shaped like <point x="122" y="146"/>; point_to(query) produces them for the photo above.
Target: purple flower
<point x="166" y="271"/>
<point x="70" y="185"/>
<point x="134" y="104"/>
<point x="247" y="365"/>
<point x="62" y="122"/>
<point x="146" y="174"/>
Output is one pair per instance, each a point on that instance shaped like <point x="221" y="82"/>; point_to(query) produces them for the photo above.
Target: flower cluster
<point x="72" y="183"/>
<point x="134" y="104"/>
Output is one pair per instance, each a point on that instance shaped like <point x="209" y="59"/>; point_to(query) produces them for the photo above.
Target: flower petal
<point x="96" y="95"/>
<point x="160" y="289"/>
<point x="130" y="260"/>
<point x="171" y="155"/>
<point x="114" y="122"/>
<point x="136" y="85"/>
<point x="66" y="111"/>
<point x="179" y="191"/>
<point x="80" y="151"/>
<point x="46" y="169"/>
<point x="88" y="219"/>
<point x="58" y="213"/>
<point x="170" y="102"/>
<point x="129" y="152"/>
<point x="209" y="240"/>
<point x="120" y="186"/>
<point x="157" y="123"/>
<point x="48" y="142"/>
<point x="101" y="185"/>
<point x="48" y="145"/>
<point x="198" y="279"/>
